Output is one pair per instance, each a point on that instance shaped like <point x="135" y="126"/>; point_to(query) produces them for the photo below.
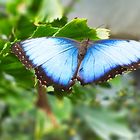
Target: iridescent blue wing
<point x="107" y="58"/>
<point x="55" y="60"/>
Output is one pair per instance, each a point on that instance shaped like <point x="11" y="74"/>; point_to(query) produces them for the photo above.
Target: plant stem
<point x="43" y="103"/>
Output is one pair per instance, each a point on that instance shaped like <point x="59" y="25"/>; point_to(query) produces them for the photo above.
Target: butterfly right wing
<point x="55" y="60"/>
<point x="105" y="59"/>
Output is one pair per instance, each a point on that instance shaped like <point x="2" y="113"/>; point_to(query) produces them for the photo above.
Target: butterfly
<point x="60" y="61"/>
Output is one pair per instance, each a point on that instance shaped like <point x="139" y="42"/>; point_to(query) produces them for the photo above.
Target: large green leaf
<point x="44" y="30"/>
<point x="24" y="28"/>
<point x="77" y="29"/>
<point x="5" y="30"/>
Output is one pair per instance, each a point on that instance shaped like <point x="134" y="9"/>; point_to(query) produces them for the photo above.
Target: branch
<point x="43" y="103"/>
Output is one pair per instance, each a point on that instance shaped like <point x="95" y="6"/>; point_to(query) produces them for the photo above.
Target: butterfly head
<point x="85" y="42"/>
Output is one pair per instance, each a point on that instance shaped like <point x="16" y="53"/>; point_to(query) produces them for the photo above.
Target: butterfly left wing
<point x="107" y="58"/>
<point x="55" y="60"/>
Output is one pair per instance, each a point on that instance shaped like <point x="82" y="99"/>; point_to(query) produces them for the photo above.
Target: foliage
<point x="100" y="112"/>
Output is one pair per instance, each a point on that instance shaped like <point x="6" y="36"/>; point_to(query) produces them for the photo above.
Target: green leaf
<point x="24" y="28"/>
<point x="77" y="29"/>
<point x="105" y="123"/>
<point x="5" y="30"/>
<point x="49" y="11"/>
<point x="10" y="65"/>
<point x="44" y="30"/>
<point x="60" y="22"/>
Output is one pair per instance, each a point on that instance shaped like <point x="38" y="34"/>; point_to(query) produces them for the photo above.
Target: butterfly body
<point x="60" y="61"/>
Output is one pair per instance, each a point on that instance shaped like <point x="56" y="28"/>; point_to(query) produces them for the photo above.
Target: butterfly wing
<point x="55" y="60"/>
<point x="107" y="58"/>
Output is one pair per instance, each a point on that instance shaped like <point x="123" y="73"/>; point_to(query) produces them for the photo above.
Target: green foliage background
<point x="109" y="111"/>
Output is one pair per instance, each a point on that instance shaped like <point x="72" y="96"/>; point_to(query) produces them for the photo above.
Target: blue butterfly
<point x="61" y="61"/>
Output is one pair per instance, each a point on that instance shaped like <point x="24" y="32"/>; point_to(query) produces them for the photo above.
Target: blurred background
<point x="109" y="111"/>
<point x="121" y="17"/>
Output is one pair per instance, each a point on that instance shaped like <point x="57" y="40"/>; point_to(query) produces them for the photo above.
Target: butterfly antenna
<point x="100" y="26"/>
